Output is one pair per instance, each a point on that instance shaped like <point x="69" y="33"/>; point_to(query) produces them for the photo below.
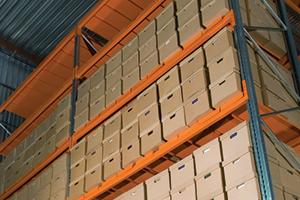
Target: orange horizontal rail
<point x="10" y="142"/>
<point x="23" y="180"/>
<point x="174" y="59"/>
<point x="214" y="116"/>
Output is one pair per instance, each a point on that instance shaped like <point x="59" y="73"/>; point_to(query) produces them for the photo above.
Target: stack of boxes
<point x="38" y="145"/>
<point x="50" y="184"/>
<point x="222" y="169"/>
<point x="82" y="104"/>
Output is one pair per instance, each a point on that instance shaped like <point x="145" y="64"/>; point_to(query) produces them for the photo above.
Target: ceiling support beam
<point x="19" y="51"/>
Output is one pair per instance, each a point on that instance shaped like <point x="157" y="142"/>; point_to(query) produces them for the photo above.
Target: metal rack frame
<point x="255" y="119"/>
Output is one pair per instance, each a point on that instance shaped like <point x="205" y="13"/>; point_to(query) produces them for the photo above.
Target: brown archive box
<point x="196" y="107"/>
<point x="94" y="158"/>
<point x="182" y="172"/>
<point x="149" y="117"/>
<point x="151" y="138"/>
<point x="174" y="123"/>
<point x="225" y="88"/>
<point x="84" y="88"/>
<point x="190" y="29"/>
<point x="78" y="152"/>
<point x="112" y="125"/>
<point x="192" y="64"/>
<point x="93" y="177"/>
<point x="207" y="156"/>
<point x="197" y="82"/>
<point x="130" y="153"/>
<point x="130" y="133"/>
<point x="189" y="10"/>
<point x="77" y="171"/>
<point x="210" y="183"/>
<point x="129" y="49"/>
<point x="111" y="165"/>
<point x="147" y="98"/>
<point x="168" y="82"/>
<point x="98" y="77"/>
<point x="130" y="113"/>
<point x="158" y="185"/>
<point x="218" y="44"/>
<point x="94" y="138"/>
<point x="149" y="64"/>
<point x="113" y="93"/>
<point x="225" y="63"/>
<point x="114" y="62"/>
<point x="113" y="77"/>
<point x="130" y="64"/>
<point x="82" y="104"/>
<point x="168" y="47"/>
<point x="111" y="145"/>
<point x="212" y="10"/>
<point x="170" y="102"/>
<point x="164" y="17"/>
<point x="76" y="189"/>
<point x="81" y="119"/>
<point x="97" y="92"/>
<point x="147" y="33"/>
<point x="97" y="107"/>
<point x="148" y="48"/>
<point x="136" y="193"/>
<point x="131" y="79"/>
<point x="187" y="191"/>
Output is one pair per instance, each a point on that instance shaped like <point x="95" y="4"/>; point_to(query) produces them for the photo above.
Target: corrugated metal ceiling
<point x="37" y="26"/>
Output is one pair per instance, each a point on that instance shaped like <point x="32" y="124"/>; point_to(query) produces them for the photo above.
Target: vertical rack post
<point x="252" y="106"/>
<point x="290" y="45"/>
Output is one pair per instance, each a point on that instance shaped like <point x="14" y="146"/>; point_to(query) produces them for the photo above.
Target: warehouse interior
<point x="150" y="99"/>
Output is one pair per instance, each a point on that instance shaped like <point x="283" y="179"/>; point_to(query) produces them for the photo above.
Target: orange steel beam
<point x="83" y="70"/>
<point x="19" y="134"/>
<point x="175" y="58"/>
<point x="64" y="146"/>
<point x="203" y="123"/>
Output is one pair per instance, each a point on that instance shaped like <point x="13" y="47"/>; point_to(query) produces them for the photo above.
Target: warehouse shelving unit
<point x="205" y="129"/>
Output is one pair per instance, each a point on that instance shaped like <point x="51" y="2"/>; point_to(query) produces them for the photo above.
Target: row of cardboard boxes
<point x="135" y="60"/>
<point x="42" y="141"/>
<point x="49" y="184"/>
<point x="222" y="169"/>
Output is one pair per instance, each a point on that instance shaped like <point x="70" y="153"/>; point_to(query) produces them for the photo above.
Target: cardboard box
<point x="27" y="166"/>
<point x="232" y="170"/>
<point x="196" y="107"/>
<point x="190" y="29"/>
<point x="246" y="190"/>
<point x="218" y="44"/>
<point x="77" y="170"/>
<point x="130" y="64"/>
<point x="180" y="4"/>
<point x="112" y="125"/>
<point x="64" y="104"/>
<point x="185" y="192"/>
<point x="131" y="79"/>
<point x="94" y="158"/>
<point x="148" y="48"/>
<point x="60" y="195"/>
<point x="114" y="62"/>
<point x="98" y="77"/>
<point x="94" y="138"/>
<point x="151" y="139"/>
<point x="46" y="176"/>
<point x="111" y="145"/>
<point x="158" y="185"/>
<point x="113" y="78"/>
<point x="170" y="102"/>
<point x="207" y="156"/>
<point x="130" y="133"/>
<point x="112" y="165"/>
<point x="76" y="189"/>
<point x="113" y="93"/>
<point x="82" y="104"/>
<point x="148" y="117"/>
<point x="173" y="123"/>
<point x="39" y="142"/>
<point x="44" y="192"/>
<point x="225" y="88"/>
<point x="63" y="119"/>
<point x="62" y="135"/>
<point x="83" y="88"/>
<point x="34" y="186"/>
<point x="289" y="196"/>
<point x="130" y="153"/>
<point x="130" y="48"/>
<point x="59" y="165"/>
<point x="182" y="172"/>
<point x="236" y="142"/>
<point x="168" y="82"/>
<point x="29" y="151"/>
<point x="78" y="152"/>
<point x="148" y="65"/>
<point x="50" y="132"/>
<point x="97" y="107"/>
<point x="168" y="47"/>
<point x="59" y="183"/>
<point x="136" y="193"/>
<point x="166" y="32"/>
<point x="224" y="64"/>
<point x="192" y="64"/>
<point x="93" y="178"/>
<point x="147" y="98"/>
<point x="290" y="180"/>
<point x="97" y="92"/>
<point x="197" y="82"/>
<point x="147" y="33"/>
<point x="38" y="157"/>
<point x="130" y="113"/>
<point x="164" y="17"/>
<point x="213" y="10"/>
<point x="210" y="183"/>
<point x="190" y="10"/>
